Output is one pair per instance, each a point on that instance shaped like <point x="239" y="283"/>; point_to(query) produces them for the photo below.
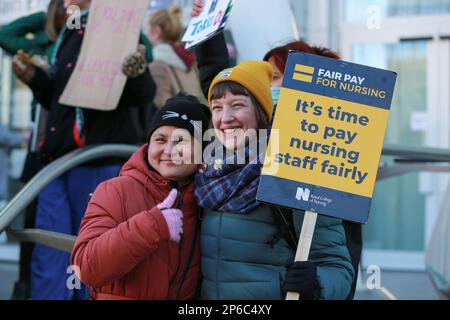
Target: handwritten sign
<point x="112" y="33"/>
<point x="209" y="23"/>
<point x="331" y="117"/>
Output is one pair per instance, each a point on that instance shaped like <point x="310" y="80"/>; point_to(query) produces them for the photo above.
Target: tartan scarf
<point x="229" y="187"/>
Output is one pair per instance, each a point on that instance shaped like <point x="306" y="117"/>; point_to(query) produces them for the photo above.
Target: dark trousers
<point x="61" y="208"/>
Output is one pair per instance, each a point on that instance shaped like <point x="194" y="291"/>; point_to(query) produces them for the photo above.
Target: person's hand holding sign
<point x="301" y="277"/>
<point x="197" y="8"/>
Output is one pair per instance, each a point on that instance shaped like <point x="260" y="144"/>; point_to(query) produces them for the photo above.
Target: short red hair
<point x="280" y="54"/>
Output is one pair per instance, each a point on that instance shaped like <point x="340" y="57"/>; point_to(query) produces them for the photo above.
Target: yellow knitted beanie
<point x="255" y="76"/>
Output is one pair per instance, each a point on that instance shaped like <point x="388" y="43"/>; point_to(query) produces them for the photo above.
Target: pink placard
<point x="112" y="33"/>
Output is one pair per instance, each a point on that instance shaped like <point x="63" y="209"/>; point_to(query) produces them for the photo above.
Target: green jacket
<point x="27" y="34"/>
<point x="238" y="263"/>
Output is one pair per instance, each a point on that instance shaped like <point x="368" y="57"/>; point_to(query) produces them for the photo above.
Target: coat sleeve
<point x="212" y="57"/>
<point x="42" y="87"/>
<point x="139" y="91"/>
<point x="329" y="252"/>
<point x="13" y="36"/>
<point x="107" y="248"/>
<point x="144" y="40"/>
<point x="163" y="83"/>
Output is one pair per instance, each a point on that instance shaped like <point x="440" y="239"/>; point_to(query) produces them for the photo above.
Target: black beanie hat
<point x="182" y="111"/>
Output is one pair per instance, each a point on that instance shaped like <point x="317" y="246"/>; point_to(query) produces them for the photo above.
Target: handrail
<point x="404" y="168"/>
<point x="417" y="153"/>
<point x="65" y="242"/>
<point x="53" y="171"/>
<point x="55" y="240"/>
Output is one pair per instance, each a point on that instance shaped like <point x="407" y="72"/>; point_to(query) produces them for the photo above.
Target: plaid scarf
<point x="229" y="187"/>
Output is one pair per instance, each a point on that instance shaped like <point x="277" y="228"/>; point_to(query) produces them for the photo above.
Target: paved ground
<point x="403" y="285"/>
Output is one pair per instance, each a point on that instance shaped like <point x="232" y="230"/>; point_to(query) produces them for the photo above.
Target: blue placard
<point x="331" y="120"/>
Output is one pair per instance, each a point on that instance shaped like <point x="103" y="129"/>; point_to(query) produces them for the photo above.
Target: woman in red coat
<point x="138" y="239"/>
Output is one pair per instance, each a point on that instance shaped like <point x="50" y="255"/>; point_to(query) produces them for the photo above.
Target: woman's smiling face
<point x="171" y="152"/>
<point x="232" y="116"/>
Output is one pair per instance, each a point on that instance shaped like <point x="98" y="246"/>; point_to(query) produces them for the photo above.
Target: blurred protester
<point x="61" y="205"/>
<point x="34" y="34"/>
<point x="173" y="67"/>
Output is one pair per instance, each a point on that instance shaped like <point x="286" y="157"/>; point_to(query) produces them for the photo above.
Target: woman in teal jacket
<point x="245" y="254"/>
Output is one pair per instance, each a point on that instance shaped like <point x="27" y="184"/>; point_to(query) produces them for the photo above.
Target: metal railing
<point x="32" y="189"/>
<point x="414" y="159"/>
<point x="409" y="159"/>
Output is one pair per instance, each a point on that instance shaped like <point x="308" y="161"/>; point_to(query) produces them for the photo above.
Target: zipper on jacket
<point x="180" y="245"/>
<point x="293" y="237"/>
<point x="189" y="260"/>
<point x="177" y="270"/>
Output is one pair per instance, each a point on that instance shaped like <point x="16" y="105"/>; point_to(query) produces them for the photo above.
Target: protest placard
<point x="331" y="121"/>
<point x="332" y="117"/>
<point x="111" y="34"/>
<point x="211" y="21"/>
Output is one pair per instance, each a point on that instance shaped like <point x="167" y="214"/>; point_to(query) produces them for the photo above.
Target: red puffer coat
<point x="124" y="250"/>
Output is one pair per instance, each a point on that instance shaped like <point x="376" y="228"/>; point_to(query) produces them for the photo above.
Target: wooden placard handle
<point x="304" y="244"/>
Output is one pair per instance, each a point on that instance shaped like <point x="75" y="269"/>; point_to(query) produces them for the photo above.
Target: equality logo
<point x="303" y="73"/>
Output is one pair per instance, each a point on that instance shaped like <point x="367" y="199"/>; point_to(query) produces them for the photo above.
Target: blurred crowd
<point x="156" y="229"/>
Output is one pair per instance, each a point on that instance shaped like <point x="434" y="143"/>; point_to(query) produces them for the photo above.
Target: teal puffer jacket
<point x="238" y="263"/>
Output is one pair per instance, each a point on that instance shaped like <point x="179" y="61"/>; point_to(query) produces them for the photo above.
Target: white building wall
<point x="259" y="25"/>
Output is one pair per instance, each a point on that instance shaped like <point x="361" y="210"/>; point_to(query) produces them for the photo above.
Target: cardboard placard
<point x="112" y="33"/>
<point x="331" y="119"/>
<point x="212" y="21"/>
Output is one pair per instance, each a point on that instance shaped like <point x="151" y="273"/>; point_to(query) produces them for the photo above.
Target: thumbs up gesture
<point x="174" y="217"/>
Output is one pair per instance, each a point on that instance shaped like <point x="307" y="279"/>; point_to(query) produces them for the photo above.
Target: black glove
<point x="301" y="277"/>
